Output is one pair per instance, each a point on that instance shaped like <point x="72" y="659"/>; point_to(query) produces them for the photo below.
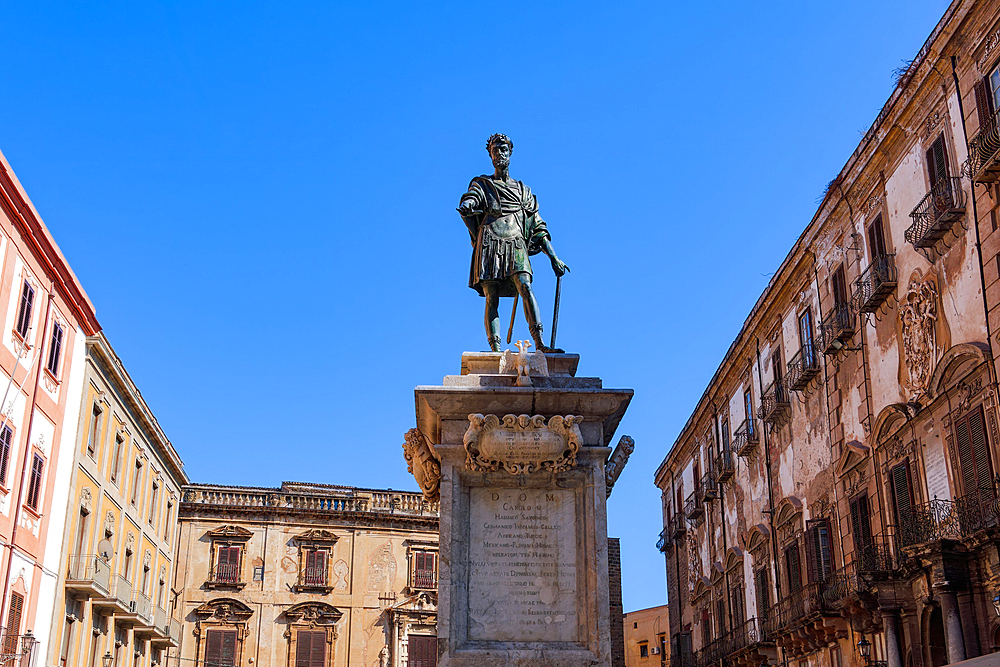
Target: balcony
<point x="161" y="627"/>
<point x="725" y="467"/>
<point x="120" y="599"/>
<point x="425" y="580"/>
<point x="836" y="329"/>
<point x="665" y="539"/>
<point x="225" y="575"/>
<point x="947" y="519"/>
<point x="746" y="644"/>
<point x="746" y="437"/>
<point x="984" y="153"/>
<point x="774" y="404"/>
<point x="803" y="621"/>
<point x="694" y="507"/>
<point x="88" y="576"/>
<point x="802" y="368"/>
<point x="677" y="525"/>
<point x="874" y="286"/>
<point x="709" y="487"/>
<point x="936" y="213"/>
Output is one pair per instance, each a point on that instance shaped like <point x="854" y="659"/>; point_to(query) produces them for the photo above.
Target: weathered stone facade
<point x="310" y="575"/>
<point x="835" y="483"/>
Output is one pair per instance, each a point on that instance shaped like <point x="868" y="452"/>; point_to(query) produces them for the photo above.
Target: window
<point x="763" y="596"/>
<point x="425" y="569"/>
<point x="116" y="462"/>
<point x="876" y="239"/>
<point x="806" y="337"/>
<point x="820" y="548"/>
<point x="861" y="527"/>
<point x="136" y="480"/>
<point x="220" y="648"/>
<point x="902" y="492"/>
<point x="937" y="162"/>
<point x="643" y="650"/>
<point x="67" y="641"/>
<point x="145" y="578"/>
<point x="793" y="567"/>
<point x="310" y="648"/>
<point x="973" y="455"/>
<point x="35" y="482"/>
<point x="13" y="622"/>
<point x="315" y="574"/>
<point x="663" y="649"/>
<point x="55" y="349"/>
<point x="421" y="651"/>
<point x="6" y="435"/>
<point x="720" y="615"/>
<point x="748" y="406"/>
<point x="95" y="430"/>
<point x="706" y="627"/>
<point x="81" y="533"/>
<point x="839" y="283"/>
<point x="170" y="514"/>
<point x="159" y="594"/>
<point x="152" y="504"/>
<point x="24" y="310"/>
<point x="725" y="434"/>
<point x="227" y="564"/>
<point x="736" y="603"/>
<point x="127" y="564"/>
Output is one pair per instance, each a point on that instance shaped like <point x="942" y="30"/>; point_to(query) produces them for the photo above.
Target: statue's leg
<point x="491" y="290"/>
<point x="531" y="313"/>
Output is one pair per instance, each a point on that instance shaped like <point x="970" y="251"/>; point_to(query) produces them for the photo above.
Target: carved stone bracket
<point x="617" y="460"/>
<point x="521" y="444"/>
<point x="422" y="463"/>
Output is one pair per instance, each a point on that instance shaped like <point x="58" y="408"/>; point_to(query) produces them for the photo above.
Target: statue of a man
<point x="503" y="221"/>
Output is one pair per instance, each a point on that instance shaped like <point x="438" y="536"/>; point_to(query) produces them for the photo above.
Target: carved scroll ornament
<point x="616" y="462"/>
<point x="422" y="463"/>
<point x="918" y="315"/>
<point x="521" y="444"/>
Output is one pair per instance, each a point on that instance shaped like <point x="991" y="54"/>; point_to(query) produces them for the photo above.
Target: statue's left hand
<point x="559" y="266"/>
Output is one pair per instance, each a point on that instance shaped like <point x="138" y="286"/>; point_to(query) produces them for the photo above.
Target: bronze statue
<point x="503" y="221"/>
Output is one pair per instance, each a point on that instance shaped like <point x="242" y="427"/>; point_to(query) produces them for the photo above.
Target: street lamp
<point x="864" y="646"/>
<point x="107" y="659"/>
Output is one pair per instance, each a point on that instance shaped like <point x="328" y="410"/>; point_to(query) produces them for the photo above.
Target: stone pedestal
<point x="518" y="458"/>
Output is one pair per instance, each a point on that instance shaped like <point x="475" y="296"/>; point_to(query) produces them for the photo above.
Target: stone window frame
<point x="311" y="616"/>
<point x="316" y="539"/>
<point x="221" y="614"/>
<point x="413" y="547"/>
<point x="227" y="536"/>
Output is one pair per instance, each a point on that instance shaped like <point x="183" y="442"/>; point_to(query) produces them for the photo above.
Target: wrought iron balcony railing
<point x="803" y="367"/>
<point x="774" y="403"/>
<point x="948" y="519"/>
<point x="874" y="286"/>
<point x="725" y="466"/>
<point x="226" y="573"/>
<point x="836" y="328"/>
<point x="424" y="579"/>
<point x="743" y="636"/>
<point x="677" y="525"/>
<point x="794" y="607"/>
<point x="746" y="437"/>
<point x="875" y="560"/>
<point x="934" y="216"/>
<point x="984" y="151"/>
<point x="709" y="486"/>
<point x="694" y="507"/>
<point x="665" y="537"/>
<point x="314" y="576"/>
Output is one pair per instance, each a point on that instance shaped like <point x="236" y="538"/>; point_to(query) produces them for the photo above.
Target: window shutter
<point x="24" y="312"/>
<point x="421" y="651"/>
<point x="861" y="524"/>
<point x="984" y="105"/>
<point x="5" y="436"/>
<point x="720" y="616"/>
<point x="819" y="550"/>
<point x="902" y="497"/>
<point x="35" y="482"/>
<point x="736" y="605"/>
<point x="876" y="239"/>
<point x="839" y="286"/>
<point x="310" y="649"/>
<point x="977" y="436"/>
<point x="310" y="559"/>
<point x="966" y="458"/>
<point x="213" y="648"/>
<point x="937" y="161"/>
<point x="760" y="583"/>
<point x="794" y="566"/>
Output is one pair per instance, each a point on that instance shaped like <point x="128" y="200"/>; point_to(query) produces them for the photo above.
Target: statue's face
<point x="500" y="152"/>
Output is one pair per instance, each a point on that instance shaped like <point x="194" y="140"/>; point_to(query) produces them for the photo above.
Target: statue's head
<point x="500" y="147"/>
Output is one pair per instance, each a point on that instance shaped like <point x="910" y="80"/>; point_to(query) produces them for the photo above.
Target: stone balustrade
<point x="343" y="499"/>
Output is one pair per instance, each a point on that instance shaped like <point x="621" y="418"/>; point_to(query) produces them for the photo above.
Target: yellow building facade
<point x="647" y="637"/>
<point x="115" y="604"/>
<point x="307" y="575"/>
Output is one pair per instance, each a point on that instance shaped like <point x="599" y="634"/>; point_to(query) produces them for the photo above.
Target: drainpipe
<point x="770" y="489"/>
<point x="17" y="509"/>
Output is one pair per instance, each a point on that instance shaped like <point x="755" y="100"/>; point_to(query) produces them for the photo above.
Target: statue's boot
<point x="536" y="334"/>
<point x="496" y="343"/>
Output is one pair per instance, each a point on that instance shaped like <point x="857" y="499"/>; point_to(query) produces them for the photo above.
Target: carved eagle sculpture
<point x="524" y="363"/>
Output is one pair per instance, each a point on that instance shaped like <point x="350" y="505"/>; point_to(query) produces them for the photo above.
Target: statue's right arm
<point x="472" y="201"/>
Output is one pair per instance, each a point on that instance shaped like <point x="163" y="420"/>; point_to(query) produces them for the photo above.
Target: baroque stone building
<point x="309" y="575"/>
<point x="121" y="528"/>
<point x="834" y="492"/>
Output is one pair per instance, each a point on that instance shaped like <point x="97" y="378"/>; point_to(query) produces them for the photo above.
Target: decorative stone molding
<point x="147" y="559"/>
<point x="918" y="316"/>
<point x="224" y="610"/>
<point x="314" y="614"/>
<point x="129" y="542"/>
<point x="422" y="463"/>
<point x="616" y="462"/>
<point x="230" y="533"/>
<point x="317" y="536"/>
<point x="87" y="500"/>
<point x="109" y="524"/>
<point x="521" y="444"/>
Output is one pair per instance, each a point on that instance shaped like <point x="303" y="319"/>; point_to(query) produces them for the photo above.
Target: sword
<point x="513" y="314"/>
<point x="555" y="312"/>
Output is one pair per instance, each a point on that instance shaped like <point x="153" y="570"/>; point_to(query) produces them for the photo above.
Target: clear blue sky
<point x="260" y="200"/>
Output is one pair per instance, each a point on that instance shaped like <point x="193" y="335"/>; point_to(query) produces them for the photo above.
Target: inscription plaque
<point x="522" y="444"/>
<point x="522" y="565"/>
